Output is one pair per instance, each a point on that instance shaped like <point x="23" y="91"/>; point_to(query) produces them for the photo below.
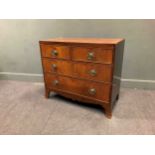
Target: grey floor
<point x="24" y="110"/>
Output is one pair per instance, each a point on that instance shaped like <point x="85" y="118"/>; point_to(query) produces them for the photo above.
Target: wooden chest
<point x="83" y="69"/>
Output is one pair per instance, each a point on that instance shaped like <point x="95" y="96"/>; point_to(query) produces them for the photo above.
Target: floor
<point x="24" y="110"/>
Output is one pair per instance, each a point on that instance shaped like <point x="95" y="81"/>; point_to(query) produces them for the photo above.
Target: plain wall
<point x="19" y="47"/>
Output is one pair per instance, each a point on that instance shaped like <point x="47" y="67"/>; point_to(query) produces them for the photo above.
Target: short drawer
<point x="92" y="90"/>
<point x="58" y="66"/>
<point x="55" y="51"/>
<point x="99" y="54"/>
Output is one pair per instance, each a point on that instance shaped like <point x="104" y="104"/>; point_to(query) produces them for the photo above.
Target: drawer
<point x="58" y="66"/>
<point x="55" y="51"/>
<point x="94" y="90"/>
<point x="100" y="55"/>
<point x="92" y="71"/>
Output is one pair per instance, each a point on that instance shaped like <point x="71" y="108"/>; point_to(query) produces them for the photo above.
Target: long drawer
<point x="94" y="90"/>
<point x="92" y="71"/>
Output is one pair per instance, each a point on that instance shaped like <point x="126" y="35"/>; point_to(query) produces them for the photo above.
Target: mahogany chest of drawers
<point x="83" y="69"/>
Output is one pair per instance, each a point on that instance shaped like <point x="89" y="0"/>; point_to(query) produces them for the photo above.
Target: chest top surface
<point x="112" y="41"/>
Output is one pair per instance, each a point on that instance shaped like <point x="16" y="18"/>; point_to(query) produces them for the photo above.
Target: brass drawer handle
<point x="54" y="66"/>
<point x="54" y="52"/>
<point x="55" y="82"/>
<point x="90" y="56"/>
<point x="93" y="72"/>
<point x="92" y="91"/>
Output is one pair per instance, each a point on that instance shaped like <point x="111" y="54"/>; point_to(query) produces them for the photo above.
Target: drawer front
<point x="82" y="87"/>
<point x="99" y="55"/>
<point x="57" y="66"/>
<point x="55" y="51"/>
<point x="97" y="72"/>
<point x="90" y="71"/>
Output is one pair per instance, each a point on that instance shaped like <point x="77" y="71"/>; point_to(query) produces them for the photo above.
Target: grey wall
<point x="19" y="48"/>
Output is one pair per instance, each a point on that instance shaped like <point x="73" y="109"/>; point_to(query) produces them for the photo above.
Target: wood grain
<point x="79" y="69"/>
<point x="79" y="86"/>
<point x="101" y="55"/>
<point x="84" y="40"/>
<point x="63" y="51"/>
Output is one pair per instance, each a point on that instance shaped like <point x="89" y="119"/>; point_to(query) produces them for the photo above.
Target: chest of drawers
<point x="83" y="69"/>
